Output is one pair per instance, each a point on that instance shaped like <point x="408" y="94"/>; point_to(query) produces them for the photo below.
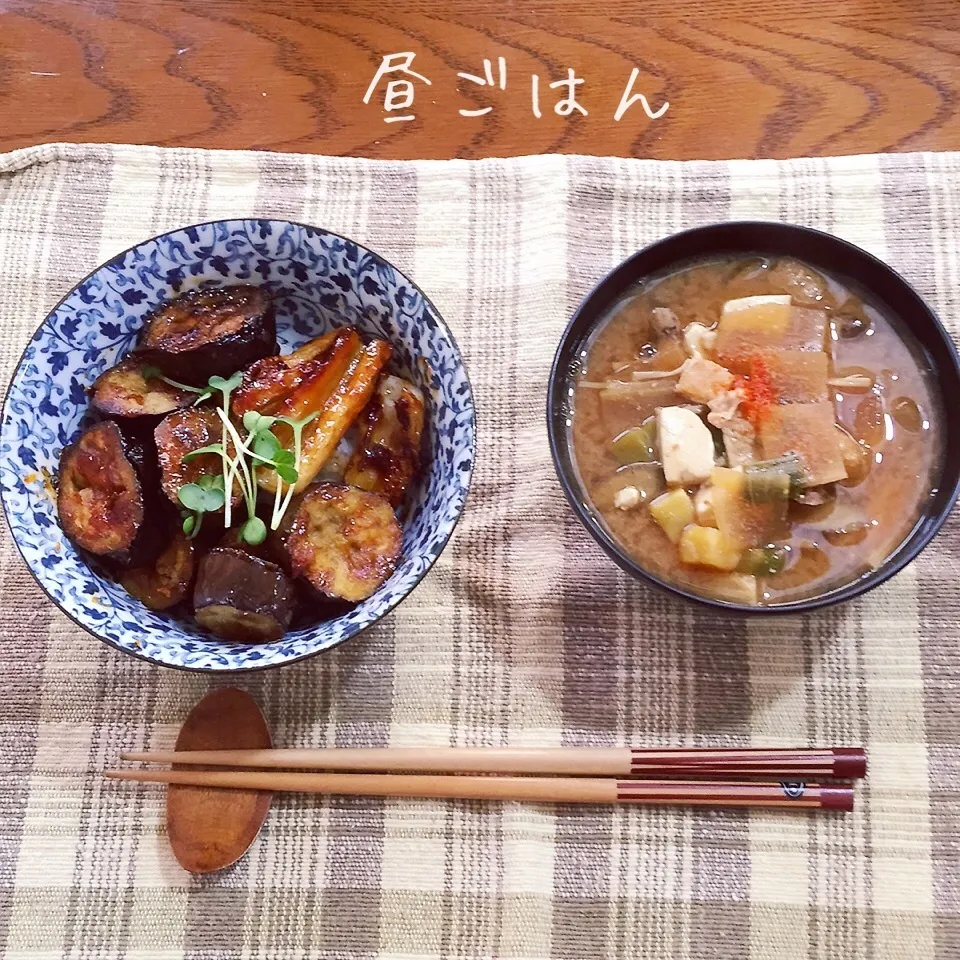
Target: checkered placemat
<point x="523" y="633"/>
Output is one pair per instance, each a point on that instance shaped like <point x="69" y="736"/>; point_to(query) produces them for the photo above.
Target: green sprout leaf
<point x="209" y="448"/>
<point x="211" y="481"/>
<point x="228" y="385"/>
<point x="192" y="496"/>
<point x="149" y="372"/>
<point x="190" y="524"/>
<point x="299" y="423"/>
<point x="254" y="531"/>
<point x="266" y="445"/>
<point x="203" y="496"/>
<point x="287" y="472"/>
<point x="254" y="422"/>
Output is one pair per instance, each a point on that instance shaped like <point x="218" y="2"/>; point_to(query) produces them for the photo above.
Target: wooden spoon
<point x="211" y="828"/>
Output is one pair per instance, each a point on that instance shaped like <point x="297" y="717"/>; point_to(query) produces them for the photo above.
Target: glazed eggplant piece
<point x="243" y="598"/>
<point x="181" y="433"/>
<point x="167" y="582"/>
<point x="106" y="499"/>
<point x="209" y="332"/>
<point x="313" y="607"/>
<point x="345" y="542"/>
<point x="123" y="391"/>
<point x="388" y="455"/>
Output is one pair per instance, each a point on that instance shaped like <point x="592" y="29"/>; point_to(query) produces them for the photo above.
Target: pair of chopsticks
<point x="549" y="775"/>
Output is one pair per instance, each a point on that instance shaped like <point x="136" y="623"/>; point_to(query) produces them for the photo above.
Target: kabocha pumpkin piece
<point x="673" y="511"/>
<point x="709" y="547"/>
<point x="166" y="582"/>
<point x="106" y="498"/>
<point x="344" y="541"/>
<point x="388" y="455"/>
<point x="125" y="391"/>
<point x="209" y="332"/>
<point x="242" y="597"/>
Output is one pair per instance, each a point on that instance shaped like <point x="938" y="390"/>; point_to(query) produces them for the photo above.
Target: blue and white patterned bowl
<point x="319" y="280"/>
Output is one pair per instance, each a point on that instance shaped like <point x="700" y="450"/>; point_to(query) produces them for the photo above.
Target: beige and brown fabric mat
<point x="522" y="634"/>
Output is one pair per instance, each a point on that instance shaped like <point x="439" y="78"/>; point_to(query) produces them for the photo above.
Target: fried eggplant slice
<point x="209" y="332"/>
<point x="166" y="583"/>
<point x="124" y="391"/>
<point x="269" y="381"/>
<point x="181" y="433"/>
<point x="388" y="455"/>
<point x="345" y="542"/>
<point x="341" y="409"/>
<point x="243" y="598"/>
<point x="105" y="496"/>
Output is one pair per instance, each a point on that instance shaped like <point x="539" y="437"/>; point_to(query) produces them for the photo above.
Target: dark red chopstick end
<point x="849" y="763"/>
<point x="836" y="798"/>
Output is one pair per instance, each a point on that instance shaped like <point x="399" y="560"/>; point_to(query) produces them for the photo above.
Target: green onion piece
<point x="768" y="481"/>
<point x="763" y="561"/>
<point x="636" y="445"/>
<point x="768" y="487"/>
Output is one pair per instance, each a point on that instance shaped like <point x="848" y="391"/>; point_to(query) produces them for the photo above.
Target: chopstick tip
<point x="849" y="763"/>
<point x="838" y="797"/>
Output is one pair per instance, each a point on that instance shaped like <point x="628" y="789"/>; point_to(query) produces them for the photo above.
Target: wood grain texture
<point x="825" y="77"/>
<point x="211" y="828"/>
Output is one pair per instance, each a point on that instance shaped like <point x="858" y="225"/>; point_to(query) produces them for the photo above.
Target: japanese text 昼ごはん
<point x="399" y="91"/>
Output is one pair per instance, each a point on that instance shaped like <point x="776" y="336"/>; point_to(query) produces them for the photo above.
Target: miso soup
<point x="754" y="431"/>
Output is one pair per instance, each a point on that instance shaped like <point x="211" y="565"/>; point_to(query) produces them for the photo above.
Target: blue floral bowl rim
<point x="258" y="668"/>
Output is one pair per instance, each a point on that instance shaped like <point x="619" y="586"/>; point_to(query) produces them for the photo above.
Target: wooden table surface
<point x="777" y="79"/>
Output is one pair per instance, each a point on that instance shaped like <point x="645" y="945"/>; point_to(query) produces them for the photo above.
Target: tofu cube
<point x="686" y="446"/>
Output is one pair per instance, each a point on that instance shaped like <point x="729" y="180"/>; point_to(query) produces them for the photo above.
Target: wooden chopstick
<point x="845" y="763"/>
<point x="793" y="794"/>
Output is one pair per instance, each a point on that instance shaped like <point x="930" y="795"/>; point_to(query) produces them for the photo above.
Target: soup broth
<point x="754" y="431"/>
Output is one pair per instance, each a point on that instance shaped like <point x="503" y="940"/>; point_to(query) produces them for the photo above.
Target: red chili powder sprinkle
<point x="758" y="392"/>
